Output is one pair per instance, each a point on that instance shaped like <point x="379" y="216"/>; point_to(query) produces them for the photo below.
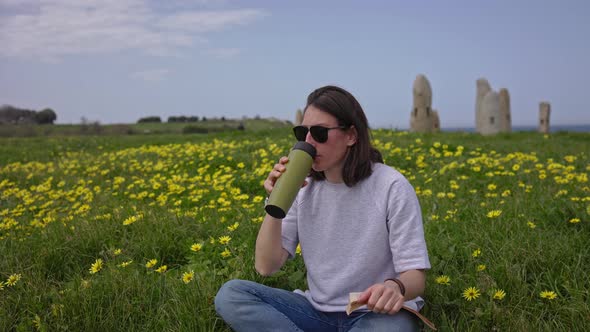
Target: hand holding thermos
<point x="287" y="177"/>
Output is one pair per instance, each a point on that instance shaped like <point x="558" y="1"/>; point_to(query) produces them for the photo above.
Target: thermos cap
<point x="305" y="147"/>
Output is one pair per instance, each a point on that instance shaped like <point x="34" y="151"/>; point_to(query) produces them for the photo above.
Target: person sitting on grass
<point x="359" y="225"/>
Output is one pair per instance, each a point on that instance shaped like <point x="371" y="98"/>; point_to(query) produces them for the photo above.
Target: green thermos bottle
<point x="288" y="184"/>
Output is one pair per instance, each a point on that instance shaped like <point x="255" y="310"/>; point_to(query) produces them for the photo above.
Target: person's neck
<point x="334" y="176"/>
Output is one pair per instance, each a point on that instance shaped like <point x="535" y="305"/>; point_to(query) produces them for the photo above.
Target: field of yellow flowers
<point x="138" y="232"/>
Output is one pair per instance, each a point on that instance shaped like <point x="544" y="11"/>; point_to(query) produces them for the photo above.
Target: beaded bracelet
<point x="402" y="288"/>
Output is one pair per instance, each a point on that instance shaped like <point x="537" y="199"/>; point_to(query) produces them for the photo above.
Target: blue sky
<point x="115" y="61"/>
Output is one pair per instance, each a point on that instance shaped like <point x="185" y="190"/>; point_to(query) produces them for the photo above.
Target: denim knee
<point x="227" y="294"/>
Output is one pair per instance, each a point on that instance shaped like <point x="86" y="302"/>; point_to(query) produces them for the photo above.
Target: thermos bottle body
<point x="288" y="184"/>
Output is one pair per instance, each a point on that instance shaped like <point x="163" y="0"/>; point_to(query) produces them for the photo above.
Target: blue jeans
<point x="249" y="306"/>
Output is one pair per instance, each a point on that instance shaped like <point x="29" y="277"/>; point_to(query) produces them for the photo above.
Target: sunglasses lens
<point x="319" y="133"/>
<point x="300" y="132"/>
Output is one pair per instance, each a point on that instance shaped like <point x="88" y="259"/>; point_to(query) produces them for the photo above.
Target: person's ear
<point x="351" y="136"/>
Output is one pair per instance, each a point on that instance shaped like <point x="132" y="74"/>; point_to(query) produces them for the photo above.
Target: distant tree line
<point x="181" y="118"/>
<point x="14" y="115"/>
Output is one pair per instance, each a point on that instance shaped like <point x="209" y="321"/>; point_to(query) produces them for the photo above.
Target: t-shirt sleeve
<point x="289" y="230"/>
<point x="406" y="231"/>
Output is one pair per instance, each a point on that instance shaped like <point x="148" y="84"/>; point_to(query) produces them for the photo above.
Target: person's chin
<point x="317" y="167"/>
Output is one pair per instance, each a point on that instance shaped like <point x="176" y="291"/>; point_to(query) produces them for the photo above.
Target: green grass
<point x="96" y="129"/>
<point x="63" y="201"/>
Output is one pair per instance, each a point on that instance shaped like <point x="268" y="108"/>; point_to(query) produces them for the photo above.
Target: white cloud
<point x="152" y="75"/>
<point x="51" y="29"/>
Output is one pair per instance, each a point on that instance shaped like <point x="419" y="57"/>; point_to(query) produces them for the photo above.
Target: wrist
<point x="400" y="285"/>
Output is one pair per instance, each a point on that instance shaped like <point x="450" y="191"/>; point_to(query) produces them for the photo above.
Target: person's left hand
<point x="384" y="298"/>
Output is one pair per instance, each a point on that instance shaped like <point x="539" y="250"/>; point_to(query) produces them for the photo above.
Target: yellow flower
<point x="471" y="293"/>
<point x="240" y="165"/>
<point x="233" y="227"/>
<point x="96" y="266"/>
<point x="151" y="263"/>
<point x="117" y="252"/>
<point x="531" y="224"/>
<point x="125" y="264"/>
<point x="443" y="280"/>
<point x="515" y="167"/>
<point x="494" y="213"/>
<point x="549" y="295"/>
<point x="491" y="187"/>
<point x="196" y="247"/>
<point x="574" y="220"/>
<point x="481" y="267"/>
<point x="130" y="220"/>
<point x="224" y="239"/>
<point x="225" y="253"/>
<point x="499" y="294"/>
<point x="476" y="253"/>
<point x="162" y="269"/>
<point x="13" y="279"/>
<point x="298" y="249"/>
<point x="188" y="276"/>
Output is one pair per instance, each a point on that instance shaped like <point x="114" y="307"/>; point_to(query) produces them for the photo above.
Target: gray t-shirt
<point x="354" y="237"/>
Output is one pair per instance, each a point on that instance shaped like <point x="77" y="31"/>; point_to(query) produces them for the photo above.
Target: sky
<point x="115" y="61"/>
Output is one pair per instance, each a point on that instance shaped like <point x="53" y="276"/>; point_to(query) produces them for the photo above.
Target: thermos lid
<point x="305" y="147"/>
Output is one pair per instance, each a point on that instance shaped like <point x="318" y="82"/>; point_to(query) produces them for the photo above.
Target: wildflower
<point x="549" y="295"/>
<point x="96" y="266"/>
<point x="37" y="323"/>
<point x="481" y="267"/>
<point x="13" y="279"/>
<point x="125" y="264"/>
<point x="471" y="293"/>
<point x="130" y="220"/>
<point x="574" y="220"/>
<point x="151" y="263"/>
<point x="443" y="280"/>
<point x="515" y="167"/>
<point x="188" y="276"/>
<point x="494" y="213"/>
<point x="531" y="224"/>
<point x="85" y="283"/>
<point x="196" y="247"/>
<point x="240" y="165"/>
<point x="117" y="252"/>
<point x="233" y="227"/>
<point x="499" y="294"/>
<point x="225" y="253"/>
<point x="257" y="199"/>
<point x="224" y="239"/>
<point x="492" y="187"/>
<point x="298" y="249"/>
<point x="162" y="269"/>
<point x="476" y="253"/>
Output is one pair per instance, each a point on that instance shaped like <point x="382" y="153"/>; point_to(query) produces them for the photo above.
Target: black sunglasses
<point x="319" y="133"/>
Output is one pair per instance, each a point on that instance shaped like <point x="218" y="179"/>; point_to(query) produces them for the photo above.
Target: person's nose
<point x="309" y="139"/>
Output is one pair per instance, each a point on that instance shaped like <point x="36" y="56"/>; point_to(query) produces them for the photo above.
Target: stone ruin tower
<point x="436" y="122"/>
<point x="298" y="117"/>
<point x="422" y="119"/>
<point x="483" y="87"/>
<point x="544" y="112"/>
<point x="490" y="114"/>
<point x="505" y="116"/>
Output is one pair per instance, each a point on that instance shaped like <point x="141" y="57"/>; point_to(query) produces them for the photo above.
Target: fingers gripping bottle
<point x="288" y="184"/>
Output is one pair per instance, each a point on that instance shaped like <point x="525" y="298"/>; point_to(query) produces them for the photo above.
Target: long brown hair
<point x="344" y="107"/>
